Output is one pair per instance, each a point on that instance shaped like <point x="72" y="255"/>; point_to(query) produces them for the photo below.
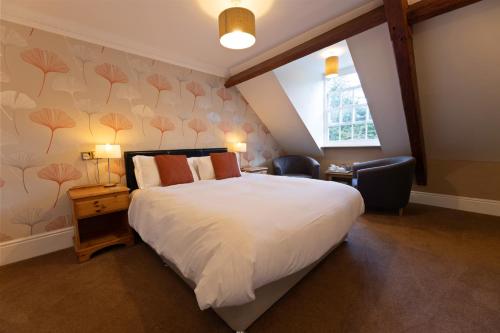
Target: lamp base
<point x="109" y="185"/>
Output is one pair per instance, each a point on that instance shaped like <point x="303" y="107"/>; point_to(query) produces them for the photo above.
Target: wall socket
<point x="87" y="155"/>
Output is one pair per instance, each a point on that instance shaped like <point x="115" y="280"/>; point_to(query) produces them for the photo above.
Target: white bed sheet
<point x="232" y="236"/>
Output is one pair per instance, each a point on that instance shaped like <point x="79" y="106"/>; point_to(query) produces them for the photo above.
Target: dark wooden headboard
<point x="129" y="164"/>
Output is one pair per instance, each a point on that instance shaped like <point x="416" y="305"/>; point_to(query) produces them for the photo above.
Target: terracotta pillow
<point x="173" y="169"/>
<point x="225" y="165"/>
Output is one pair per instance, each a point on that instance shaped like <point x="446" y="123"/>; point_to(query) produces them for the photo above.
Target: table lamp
<point x="237" y="147"/>
<point x="108" y="151"/>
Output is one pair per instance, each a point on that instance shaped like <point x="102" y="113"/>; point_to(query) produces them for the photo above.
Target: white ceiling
<point x="182" y="32"/>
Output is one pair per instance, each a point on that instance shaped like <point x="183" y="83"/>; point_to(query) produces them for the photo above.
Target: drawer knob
<point x="97" y="210"/>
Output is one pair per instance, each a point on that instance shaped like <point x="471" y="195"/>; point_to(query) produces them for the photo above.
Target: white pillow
<point x="146" y="171"/>
<point x="205" y="168"/>
<point x="192" y="167"/>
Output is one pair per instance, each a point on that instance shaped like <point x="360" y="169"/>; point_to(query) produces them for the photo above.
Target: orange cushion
<point x="225" y="165"/>
<point x="173" y="169"/>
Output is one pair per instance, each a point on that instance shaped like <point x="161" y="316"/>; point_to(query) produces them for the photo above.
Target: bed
<point x="241" y="243"/>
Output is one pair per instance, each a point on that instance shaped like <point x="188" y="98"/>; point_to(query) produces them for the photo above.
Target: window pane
<point x="334" y="116"/>
<point x="372" y="134"/>
<point x="347" y="97"/>
<point x="333" y="133"/>
<point x="359" y="132"/>
<point x="347" y="114"/>
<point x="345" y="132"/>
<point x="359" y="96"/>
<point x="350" y="80"/>
<point x="335" y="100"/>
<point x="360" y="113"/>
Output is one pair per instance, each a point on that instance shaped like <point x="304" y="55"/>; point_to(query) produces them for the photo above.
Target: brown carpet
<point x="432" y="270"/>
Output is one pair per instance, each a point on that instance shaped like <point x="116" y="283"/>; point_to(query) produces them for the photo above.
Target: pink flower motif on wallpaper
<point x="29" y="217"/>
<point x="58" y="223"/>
<point x="84" y="54"/>
<point x="248" y="156"/>
<point x="22" y="161"/>
<point x="86" y="106"/>
<point x="160" y="83"/>
<point x="143" y="111"/>
<point x="15" y="100"/>
<point x="224" y="95"/>
<point x="213" y="82"/>
<point x="196" y="89"/>
<point x="248" y="128"/>
<point x="198" y="126"/>
<point x="113" y="74"/>
<point x="118" y="168"/>
<point x="9" y="37"/>
<point x="46" y="61"/>
<point x="163" y="124"/>
<point x="225" y="126"/>
<point x="59" y="173"/>
<point x="117" y="122"/>
<point x="267" y="155"/>
<point x="183" y="116"/>
<point x="54" y="119"/>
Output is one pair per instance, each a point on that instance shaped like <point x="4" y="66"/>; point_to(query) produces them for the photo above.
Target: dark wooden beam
<point x="397" y="19"/>
<point x="417" y="12"/>
<point x="426" y="9"/>
<point x="362" y="23"/>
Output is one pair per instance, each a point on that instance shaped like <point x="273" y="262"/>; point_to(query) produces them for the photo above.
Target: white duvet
<point x="232" y="236"/>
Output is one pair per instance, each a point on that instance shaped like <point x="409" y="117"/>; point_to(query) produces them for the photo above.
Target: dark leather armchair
<point x="385" y="183"/>
<point x="296" y="166"/>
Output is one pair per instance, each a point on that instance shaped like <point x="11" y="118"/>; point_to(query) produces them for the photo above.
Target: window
<point x="348" y="120"/>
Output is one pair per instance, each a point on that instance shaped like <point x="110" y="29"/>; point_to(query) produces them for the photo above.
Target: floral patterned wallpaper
<point x="60" y="96"/>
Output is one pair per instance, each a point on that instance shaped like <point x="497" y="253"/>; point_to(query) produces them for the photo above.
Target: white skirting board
<point x="36" y="245"/>
<point x="475" y="205"/>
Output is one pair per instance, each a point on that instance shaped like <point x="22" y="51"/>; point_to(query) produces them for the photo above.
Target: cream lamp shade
<point x="237" y="28"/>
<point x="108" y="151"/>
<point x="238" y="147"/>
<point x="332" y="66"/>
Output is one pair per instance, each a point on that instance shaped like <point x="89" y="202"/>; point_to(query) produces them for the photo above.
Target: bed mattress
<point x="233" y="236"/>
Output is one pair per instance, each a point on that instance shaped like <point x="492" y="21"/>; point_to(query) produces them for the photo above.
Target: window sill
<point x="368" y="145"/>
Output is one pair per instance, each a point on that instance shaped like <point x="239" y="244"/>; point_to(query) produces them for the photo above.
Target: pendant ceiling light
<point x="332" y="66"/>
<point x="237" y="28"/>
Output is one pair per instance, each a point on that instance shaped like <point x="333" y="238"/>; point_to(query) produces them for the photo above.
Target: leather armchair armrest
<point x="313" y="167"/>
<point x="277" y="168"/>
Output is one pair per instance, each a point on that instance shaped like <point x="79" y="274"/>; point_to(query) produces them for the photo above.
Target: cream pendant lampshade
<point x="332" y="66"/>
<point x="237" y="28"/>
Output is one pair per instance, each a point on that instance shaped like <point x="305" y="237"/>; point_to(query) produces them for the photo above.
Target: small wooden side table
<point x="100" y="218"/>
<point x="342" y="177"/>
<point x="251" y="169"/>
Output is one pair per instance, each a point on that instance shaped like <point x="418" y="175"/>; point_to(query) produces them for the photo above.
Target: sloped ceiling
<point x="270" y="102"/>
<point x="182" y="32"/>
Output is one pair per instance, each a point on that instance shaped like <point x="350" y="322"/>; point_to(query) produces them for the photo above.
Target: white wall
<point x="268" y="99"/>
<point x="302" y="81"/>
<point x="374" y="59"/>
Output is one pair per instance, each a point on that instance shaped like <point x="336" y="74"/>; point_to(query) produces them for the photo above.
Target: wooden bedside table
<point x="100" y="217"/>
<point x="250" y="169"/>
<point x="341" y="177"/>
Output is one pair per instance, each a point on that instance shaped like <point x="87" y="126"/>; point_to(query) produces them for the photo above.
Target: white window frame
<point x="326" y="123"/>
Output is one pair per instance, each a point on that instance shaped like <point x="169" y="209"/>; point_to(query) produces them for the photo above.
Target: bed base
<point x="240" y="317"/>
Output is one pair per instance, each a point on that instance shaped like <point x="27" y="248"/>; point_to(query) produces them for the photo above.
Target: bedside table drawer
<point x="85" y="208"/>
